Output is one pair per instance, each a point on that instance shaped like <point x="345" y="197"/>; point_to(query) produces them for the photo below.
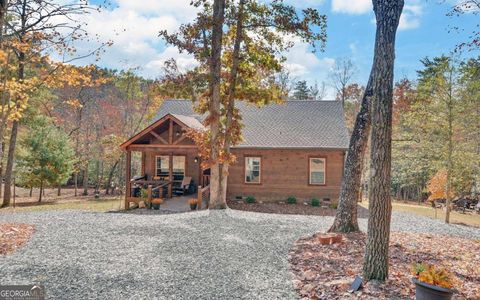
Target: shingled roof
<point x="293" y="124"/>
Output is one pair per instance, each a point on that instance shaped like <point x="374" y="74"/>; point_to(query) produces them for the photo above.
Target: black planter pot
<point x="425" y="291"/>
<point x="156" y="206"/>
<point x="193" y="206"/>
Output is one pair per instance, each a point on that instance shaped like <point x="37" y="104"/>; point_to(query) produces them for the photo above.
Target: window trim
<point x="156" y="163"/>
<point x="324" y="170"/>
<point x="245" y="169"/>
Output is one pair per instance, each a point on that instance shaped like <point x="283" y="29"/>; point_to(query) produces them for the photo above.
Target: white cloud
<point x="352" y="6"/>
<point x="302" y="62"/>
<point x="184" y="61"/>
<point x="305" y="3"/>
<point x="411" y="15"/>
<point x="410" y="18"/>
<point x="353" y="48"/>
<point x="133" y="27"/>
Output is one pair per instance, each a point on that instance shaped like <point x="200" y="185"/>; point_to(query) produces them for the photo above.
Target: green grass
<point x="100" y="205"/>
<point x="426" y="211"/>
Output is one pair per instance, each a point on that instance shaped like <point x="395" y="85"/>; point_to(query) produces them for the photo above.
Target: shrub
<point x="315" y="202"/>
<point x="291" y="200"/>
<point x="431" y="275"/>
<point x="334" y="205"/>
<point x="250" y="199"/>
<point x="144" y="193"/>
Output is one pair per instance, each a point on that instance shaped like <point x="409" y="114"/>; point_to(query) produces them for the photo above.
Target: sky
<point x="424" y="30"/>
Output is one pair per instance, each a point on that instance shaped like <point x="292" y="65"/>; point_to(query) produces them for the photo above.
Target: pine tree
<point x="301" y="91"/>
<point x="47" y="158"/>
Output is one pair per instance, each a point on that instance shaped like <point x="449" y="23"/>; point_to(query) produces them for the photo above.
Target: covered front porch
<point x="170" y="164"/>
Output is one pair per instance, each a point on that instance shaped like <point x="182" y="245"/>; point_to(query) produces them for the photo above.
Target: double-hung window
<point x="317" y="170"/>
<point x="253" y="169"/>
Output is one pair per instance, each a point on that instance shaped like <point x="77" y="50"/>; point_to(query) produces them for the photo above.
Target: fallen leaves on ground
<point x="327" y="271"/>
<point x="14" y="236"/>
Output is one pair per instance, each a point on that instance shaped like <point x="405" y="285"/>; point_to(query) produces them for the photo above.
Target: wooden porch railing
<point x="203" y="196"/>
<point x="161" y="187"/>
<point x="205" y="180"/>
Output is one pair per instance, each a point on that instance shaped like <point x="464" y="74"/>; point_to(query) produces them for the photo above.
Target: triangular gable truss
<point x="150" y="130"/>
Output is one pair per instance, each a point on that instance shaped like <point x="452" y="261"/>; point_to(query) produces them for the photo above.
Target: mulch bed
<point x="14" y="236"/>
<point x="327" y="271"/>
<point x="289" y="209"/>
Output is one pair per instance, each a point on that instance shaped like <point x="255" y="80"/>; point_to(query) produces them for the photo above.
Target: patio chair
<point x="184" y="187"/>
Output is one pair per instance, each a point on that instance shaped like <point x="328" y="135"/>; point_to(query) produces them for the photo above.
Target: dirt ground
<point x="14" y="236"/>
<point x="327" y="271"/>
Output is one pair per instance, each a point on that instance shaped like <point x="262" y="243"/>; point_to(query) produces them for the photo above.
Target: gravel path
<point x="202" y="255"/>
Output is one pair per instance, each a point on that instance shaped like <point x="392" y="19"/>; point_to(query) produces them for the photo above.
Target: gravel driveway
<point x="203" y="255"/>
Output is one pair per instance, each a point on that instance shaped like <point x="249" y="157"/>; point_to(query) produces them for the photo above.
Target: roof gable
<point x="183" y="121"/>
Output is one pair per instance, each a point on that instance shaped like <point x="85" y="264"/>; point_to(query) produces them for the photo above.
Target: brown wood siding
<point x="285" y="173"/>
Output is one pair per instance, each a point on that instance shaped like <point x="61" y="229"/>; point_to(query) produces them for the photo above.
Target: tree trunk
<point x="2" y="145"/>
<point x="449" y="155"/>
<point x="75" y="180"/>
<point x="110" y="177"/>
<point x="7" y="194"/>
<point x="375" y="266"/>
<point x="216" y="199"/>
<point x="97" y="175"/>
<point x="41" y="191"/>
<point x="59" y="190"/>
<point x="31" y="191"/>
<point x="346" y="216"/>
<point x="13" y="136"/>
<point x="231" y="95"/>
<point x="85" y="181"/>
<point x="3" y="12"/>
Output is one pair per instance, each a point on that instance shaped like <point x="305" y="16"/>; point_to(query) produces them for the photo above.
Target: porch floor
<point x="177" y="204"/>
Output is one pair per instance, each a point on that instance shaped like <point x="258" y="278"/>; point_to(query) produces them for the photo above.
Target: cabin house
<point x="292" y="149"/>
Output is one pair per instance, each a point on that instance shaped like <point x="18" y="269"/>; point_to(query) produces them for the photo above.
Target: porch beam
<point x="180" y="139"/>
<point x="141" y="147"/>
<point x="158" y="137"/>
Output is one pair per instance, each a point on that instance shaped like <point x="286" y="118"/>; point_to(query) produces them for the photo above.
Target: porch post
<point x="143" y="163"/>
<point x="170" y="175"/>
<point x="128" y="170"/>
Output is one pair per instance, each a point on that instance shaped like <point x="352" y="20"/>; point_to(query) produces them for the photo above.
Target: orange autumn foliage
<point x="437" y="186"/>
<point x="434" y="276"/>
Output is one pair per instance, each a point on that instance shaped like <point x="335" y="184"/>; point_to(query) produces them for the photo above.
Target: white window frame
<point x="259" y="170"/>
<point x="310" y="171"/>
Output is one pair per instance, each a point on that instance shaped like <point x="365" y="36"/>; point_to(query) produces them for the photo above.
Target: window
<point x="252" y="169"/>
<point x="317" y="170"/>
<point x="178" y="168"/>
<point x="162" y="165"/>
